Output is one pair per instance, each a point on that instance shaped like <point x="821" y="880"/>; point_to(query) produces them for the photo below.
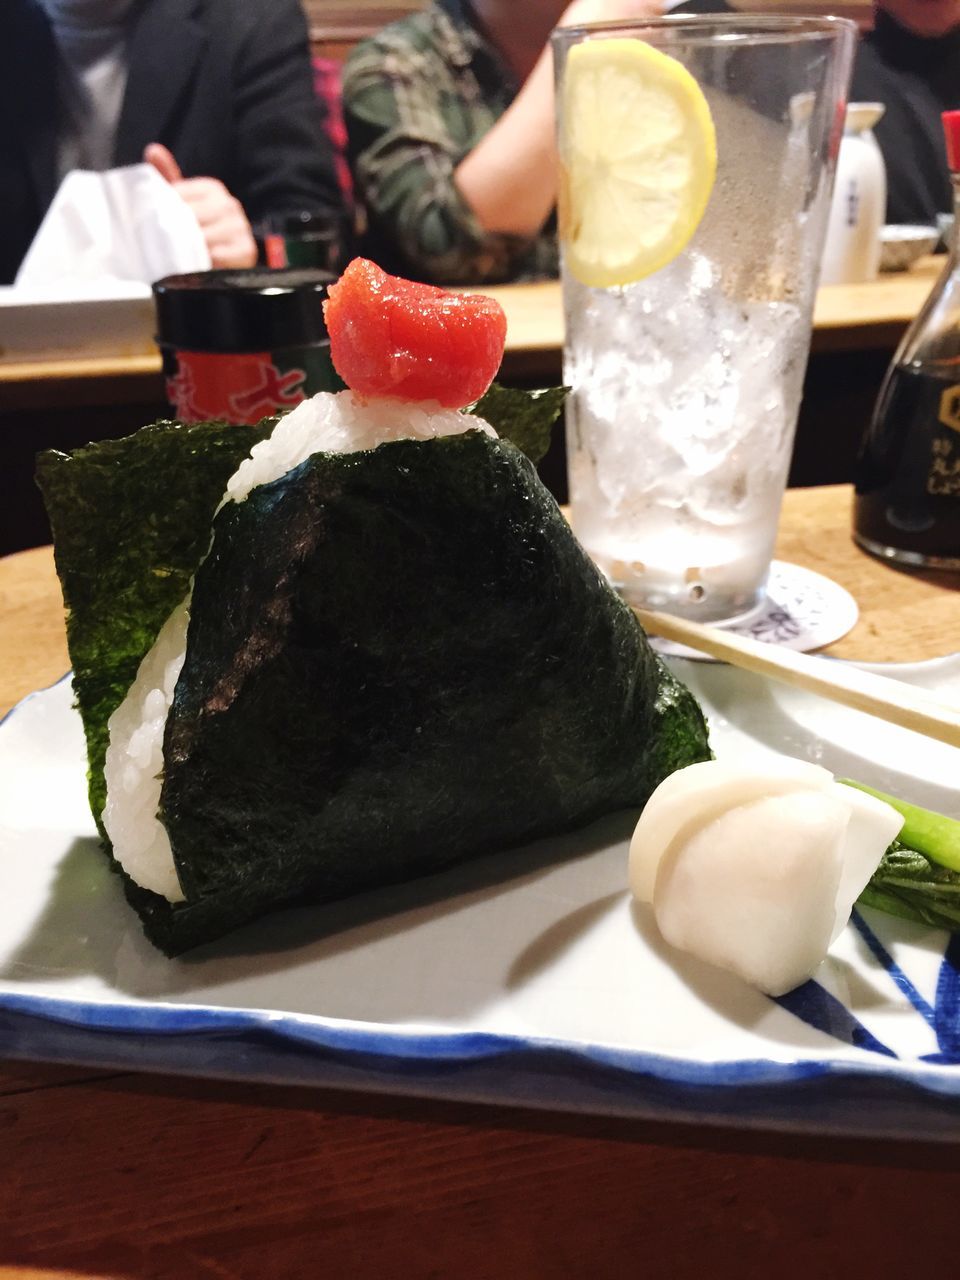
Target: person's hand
<point x="580" y="12"/>
<point x="224" y="224"/>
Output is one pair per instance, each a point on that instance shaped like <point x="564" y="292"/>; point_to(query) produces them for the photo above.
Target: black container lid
<point x="253" y="310"/>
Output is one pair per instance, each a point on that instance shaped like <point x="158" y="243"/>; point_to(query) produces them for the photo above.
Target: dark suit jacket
<point x="917" y="78"/>
<point x="225" y="84"/>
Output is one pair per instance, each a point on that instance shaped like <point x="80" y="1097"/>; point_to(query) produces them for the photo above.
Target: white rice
<point x="133" y="771"/>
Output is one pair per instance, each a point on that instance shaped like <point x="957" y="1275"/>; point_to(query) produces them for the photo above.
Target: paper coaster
<point x="803" y="610"/>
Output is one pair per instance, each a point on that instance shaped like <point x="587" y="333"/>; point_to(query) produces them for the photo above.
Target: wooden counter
<point x="870" y="316"/>
<point x="860" y="316"/>
<point x="108" y="1174"/>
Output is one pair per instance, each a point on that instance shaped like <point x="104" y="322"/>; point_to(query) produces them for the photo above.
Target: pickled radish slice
<point x="755" y="890"/>
<point x="756" y="867"/>
<point x="690" y="798"/>
<point x="390" y="337"/>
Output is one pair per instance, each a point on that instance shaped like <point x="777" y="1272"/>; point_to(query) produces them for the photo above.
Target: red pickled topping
<point x="392" y="337"/>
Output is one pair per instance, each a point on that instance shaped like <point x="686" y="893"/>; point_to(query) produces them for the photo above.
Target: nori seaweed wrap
<point x="397" y="659"/>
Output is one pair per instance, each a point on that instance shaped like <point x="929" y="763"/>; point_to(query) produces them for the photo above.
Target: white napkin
<point x="125" y="224"/>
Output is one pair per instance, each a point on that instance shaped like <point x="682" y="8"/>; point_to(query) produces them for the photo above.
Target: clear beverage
<point x="685" y="386"/>
<point x="677" y="464"/>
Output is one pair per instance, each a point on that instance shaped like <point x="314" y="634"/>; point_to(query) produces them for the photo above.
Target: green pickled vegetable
<point x="919" y="875"/>
<point x="933" y="834"/>
<point x="907" y="883"/>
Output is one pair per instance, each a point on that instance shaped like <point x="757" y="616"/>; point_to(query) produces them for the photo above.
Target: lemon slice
<point x="638" y="160"/>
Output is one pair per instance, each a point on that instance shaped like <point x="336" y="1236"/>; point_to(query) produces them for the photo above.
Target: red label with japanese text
<point x="240" y="388"/>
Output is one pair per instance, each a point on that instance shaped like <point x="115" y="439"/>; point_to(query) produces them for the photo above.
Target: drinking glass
<point x="685" y="385"/>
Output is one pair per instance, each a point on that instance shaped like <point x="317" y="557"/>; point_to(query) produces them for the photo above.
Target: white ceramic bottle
<point x="858" y="209"/>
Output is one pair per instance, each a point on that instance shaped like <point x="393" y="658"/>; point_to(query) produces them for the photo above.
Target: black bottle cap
<point x="241" y="310"/>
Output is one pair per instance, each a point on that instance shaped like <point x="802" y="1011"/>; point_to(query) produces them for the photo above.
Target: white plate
<point x="522" y="978"/>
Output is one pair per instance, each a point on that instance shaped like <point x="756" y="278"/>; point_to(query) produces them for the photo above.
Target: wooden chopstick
<point x="881" y="696"/>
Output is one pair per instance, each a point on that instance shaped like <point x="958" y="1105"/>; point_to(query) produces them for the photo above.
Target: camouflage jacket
<point x="417" y="97"/>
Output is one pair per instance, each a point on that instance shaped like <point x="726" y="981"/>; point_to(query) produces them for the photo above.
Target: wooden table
<point x="119" y="1175"/>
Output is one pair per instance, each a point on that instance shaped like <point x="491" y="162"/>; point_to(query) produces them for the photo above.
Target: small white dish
<point x="902" y="244"/>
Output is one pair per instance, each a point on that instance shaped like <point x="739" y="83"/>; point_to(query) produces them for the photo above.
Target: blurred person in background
<point x="909" y="61"/>
<point x="216" y="94"/>
<point x="450" y="127"/>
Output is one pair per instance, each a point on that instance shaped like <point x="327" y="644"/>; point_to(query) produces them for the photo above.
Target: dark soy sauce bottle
<point x="907" y="480"/>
